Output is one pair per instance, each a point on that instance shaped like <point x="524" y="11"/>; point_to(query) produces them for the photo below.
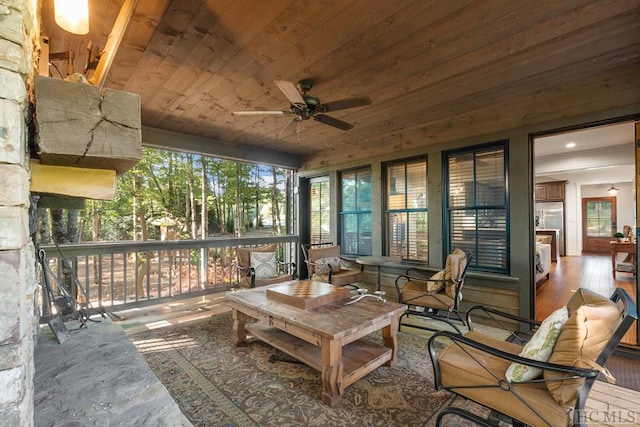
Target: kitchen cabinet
<point x="550" y="191"/>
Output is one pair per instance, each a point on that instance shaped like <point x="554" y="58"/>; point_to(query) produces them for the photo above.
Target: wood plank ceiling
<point x="435" y="70"/>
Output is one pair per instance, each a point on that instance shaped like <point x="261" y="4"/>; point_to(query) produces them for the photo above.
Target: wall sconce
<point x="612" y="190"/>
<point x="72" y="15"/>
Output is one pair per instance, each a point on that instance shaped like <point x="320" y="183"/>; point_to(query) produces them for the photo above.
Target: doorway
<point x="591" y="161"/>
<point x="599" y="216"/>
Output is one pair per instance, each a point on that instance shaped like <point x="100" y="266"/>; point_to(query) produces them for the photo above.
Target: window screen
<point x="355" y="214"/>
<point x="406" y="213"/>
<point x="476" y="208"/>
<point x="320" y="210"/>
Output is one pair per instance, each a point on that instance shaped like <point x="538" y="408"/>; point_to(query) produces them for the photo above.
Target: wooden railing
<point x="127" y="274"/>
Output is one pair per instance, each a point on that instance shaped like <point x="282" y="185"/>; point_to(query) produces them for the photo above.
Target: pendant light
<point x="72" y="15"/>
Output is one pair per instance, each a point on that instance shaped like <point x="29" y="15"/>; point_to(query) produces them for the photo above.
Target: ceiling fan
<point x="304" y="106"/>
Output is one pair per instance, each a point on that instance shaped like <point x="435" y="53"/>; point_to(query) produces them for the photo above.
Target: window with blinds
<point x="406" y="209"/>
<point x="477" y="203"/>
<point x="320" y="210"/>
<point x="355" y="213"/>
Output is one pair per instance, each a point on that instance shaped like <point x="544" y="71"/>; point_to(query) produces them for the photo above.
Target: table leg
<point x="239" y="322"/>
<point x="389" y="336"/>
<point x="332" y="388"/>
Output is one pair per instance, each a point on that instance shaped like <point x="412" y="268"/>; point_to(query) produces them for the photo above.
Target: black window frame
<point x="481" y="213"/>
<point x="322" y="238"/>
<point x="421" y="248"/>
<point x="361" y="240"/>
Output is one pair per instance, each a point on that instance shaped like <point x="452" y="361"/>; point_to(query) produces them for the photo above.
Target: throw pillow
<point x="264" y="264"/>
<point x="455" y="264"/>
<point x="431" y="285"/>
<point x="436" y="282"/>
<point x="540" y="347"/>
<point x="583" y="337"/>
<point x="322" y="265"/>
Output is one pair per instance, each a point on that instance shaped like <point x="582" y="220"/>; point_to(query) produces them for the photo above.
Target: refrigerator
<point x="549" y="216"/>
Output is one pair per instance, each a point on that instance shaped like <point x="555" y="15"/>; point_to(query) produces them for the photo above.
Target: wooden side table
<point x="378" y="261"/>
<point x="628" y="265"/>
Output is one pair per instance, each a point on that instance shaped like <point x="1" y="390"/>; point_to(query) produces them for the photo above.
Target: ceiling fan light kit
<point x="305" y="106"/>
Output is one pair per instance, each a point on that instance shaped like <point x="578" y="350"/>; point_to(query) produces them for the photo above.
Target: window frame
<point x="325" y="179"/>
<point x="357" y="211"/>
<point x="387" y="241"/>
<point x="447" y="209"/>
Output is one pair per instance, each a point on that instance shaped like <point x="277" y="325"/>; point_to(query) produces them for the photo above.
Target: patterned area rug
<point x="216" y="383"/>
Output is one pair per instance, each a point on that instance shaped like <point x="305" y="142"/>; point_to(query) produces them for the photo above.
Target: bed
<point x="542" y="261"/>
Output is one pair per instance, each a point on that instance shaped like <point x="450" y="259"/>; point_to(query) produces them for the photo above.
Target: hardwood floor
<point x="588" y="271"/>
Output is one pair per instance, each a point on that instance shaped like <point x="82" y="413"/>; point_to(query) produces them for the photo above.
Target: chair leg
<point x="432" y="316"/>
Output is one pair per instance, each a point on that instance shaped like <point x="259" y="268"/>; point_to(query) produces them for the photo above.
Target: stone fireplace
<point x="19" y="30"/>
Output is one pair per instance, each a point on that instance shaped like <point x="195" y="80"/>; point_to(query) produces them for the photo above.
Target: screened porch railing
<point x="125" y="274"/>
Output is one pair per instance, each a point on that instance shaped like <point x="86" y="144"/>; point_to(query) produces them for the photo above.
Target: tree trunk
<point x="192" y="208"/>
<point x="204" y="255"/>
<point x="58" y="226"/>
<point x="135" y="208"/>
<point x="141" y="268"/>
<point x="275" y="206"/>
<point x="73" y="231"/>
<point x="139" y="215"/>
<point x="238" y="204"/>
<point x="95" y="234"/>
<point x="43" y="227"/>
<point x="192" y="201"/>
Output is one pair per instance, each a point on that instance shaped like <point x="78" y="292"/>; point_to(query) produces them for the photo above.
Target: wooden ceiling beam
<point x="167" y="140"/>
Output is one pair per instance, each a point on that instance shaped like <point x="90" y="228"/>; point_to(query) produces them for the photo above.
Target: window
<point x="476" y="205"/>
<point x="320" y="210"/>
<point x="355" y="216"/>
<point x="598" y="218"/>
<point x="406" y="214"/>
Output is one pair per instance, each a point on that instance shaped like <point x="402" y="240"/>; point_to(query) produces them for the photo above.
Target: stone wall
<point x="18" y="289"/>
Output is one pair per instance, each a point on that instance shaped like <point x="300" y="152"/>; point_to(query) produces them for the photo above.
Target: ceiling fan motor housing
<point x="304" y="106"/>
<point x="305" y="86"/>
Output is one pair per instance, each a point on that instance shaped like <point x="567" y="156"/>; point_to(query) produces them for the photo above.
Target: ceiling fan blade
<point x="289" y="128"/>
<point x="332" y="122"/>
<point x="291" y="92"/>
<point x="256" y="112"/>
<point x="343" y="104"/>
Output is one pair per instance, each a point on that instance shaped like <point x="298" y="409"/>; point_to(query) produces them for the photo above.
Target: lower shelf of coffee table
<point x="358" y="357"/>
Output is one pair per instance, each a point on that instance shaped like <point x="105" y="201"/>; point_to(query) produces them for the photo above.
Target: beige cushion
<point x="586" y="296"/>
<point x="456" y="262"/>
<point x="438" y="300"/>
<point x="345" y="276"/>
<point x="322" y="265"/>
<point x="264" y="264"/>
<point x="434" y="285"/>
<point x="539" y="347"/>
<point x="323" y="252"/>
<point x="244" y="254"/>
<point x="464" y="367"/>
<point x="544" y="239"/>
<point x="341" y="278"/>
<point x="582" y="339"/>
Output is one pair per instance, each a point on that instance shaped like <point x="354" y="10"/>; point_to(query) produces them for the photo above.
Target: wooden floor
<point x="588" y="271"/>
<point x="608" y="405"/>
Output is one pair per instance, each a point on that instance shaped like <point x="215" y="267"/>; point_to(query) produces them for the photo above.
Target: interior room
<point x="403" y="135"/>
<point x="587" y="163"/>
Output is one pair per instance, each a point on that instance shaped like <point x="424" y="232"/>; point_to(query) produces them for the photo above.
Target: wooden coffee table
<point x="328" y="338"/>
